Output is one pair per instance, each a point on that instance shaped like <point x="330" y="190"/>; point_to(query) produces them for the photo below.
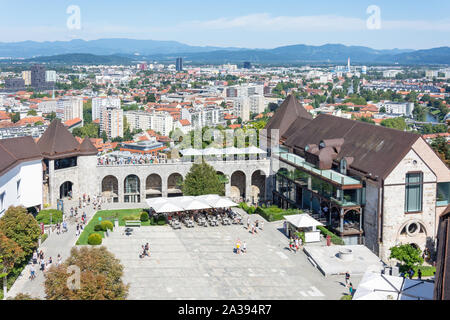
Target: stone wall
<point x="394" y="216"/>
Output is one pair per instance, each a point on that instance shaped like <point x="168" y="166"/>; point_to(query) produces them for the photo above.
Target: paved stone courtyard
<point x="199" y="263"/>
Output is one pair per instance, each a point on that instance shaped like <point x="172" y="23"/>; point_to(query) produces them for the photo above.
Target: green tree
<point x="407" y="254"/>
<point x="394" y="123"/>
<point x="32" y="112"/>
<point x="100" y="277"/>
<point x="104" y="136"/>
<point x="20" y="226"/>
<point x="382" y="110"/>
<point x="203" y="179"/>
<point x="11" y="254"/>
<point x="15" y="117"/>
<point x="441" y="146"/>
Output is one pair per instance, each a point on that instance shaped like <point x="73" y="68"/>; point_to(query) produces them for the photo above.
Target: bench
<point x="133" y="223"/>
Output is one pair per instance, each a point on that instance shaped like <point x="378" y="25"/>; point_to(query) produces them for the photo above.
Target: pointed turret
<point x="57" y="142"/>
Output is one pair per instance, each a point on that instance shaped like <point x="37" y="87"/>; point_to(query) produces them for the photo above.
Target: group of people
<point x="253" y="227"/>
<point x="39" y="259"/>
<point x="295" y="243"/>
<point x="134" y="160"/>
<point x="410" y="274"/>
<point x="61" y="228"/>
<point x="145" y="251"/>
<point x="241" y="247"/>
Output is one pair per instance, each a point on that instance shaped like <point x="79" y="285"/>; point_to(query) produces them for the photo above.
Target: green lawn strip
<point x="106" y="215"/>
<point x="427" y="271"/>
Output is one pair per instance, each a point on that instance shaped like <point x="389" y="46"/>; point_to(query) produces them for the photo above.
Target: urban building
<point x="26" y="76"/>
<point x="111" y="122"/>
<point x="372" y="185"/>
<point x="179" y="64"/>
<point x="20" y="174"/>
<point x="397" y="108"/>
<point x="50" y="76"/>
<point x="100" y="103"/>
<point x="69" y="108"/>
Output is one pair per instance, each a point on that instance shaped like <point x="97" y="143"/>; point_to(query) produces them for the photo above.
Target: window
<point x="2" y="202"/>
<point x="414" y="192"/>
<point x="18" y="189"/>
<point x="443" y="194"/>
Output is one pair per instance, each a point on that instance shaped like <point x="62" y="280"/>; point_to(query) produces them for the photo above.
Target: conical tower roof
<point x="57" y="142"/>
<point x="289" y="111"/>
<point x="87" y="148"/>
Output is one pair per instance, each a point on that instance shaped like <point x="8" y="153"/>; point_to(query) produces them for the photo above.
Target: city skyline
<point x="254" y="25"/>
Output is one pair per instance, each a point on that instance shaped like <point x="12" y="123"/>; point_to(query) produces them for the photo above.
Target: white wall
<point x="30" y="190"/>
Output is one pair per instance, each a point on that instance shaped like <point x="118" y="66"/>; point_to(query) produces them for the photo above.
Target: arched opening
<point x="153" y="186"/>
<point x="174" y="184"/>
<point x="110" y="188"/>
<point x="132" y="189"/>
<point x="258" y="187"/>
<point x="238" y="186"/>
<point x="65" y="190"/>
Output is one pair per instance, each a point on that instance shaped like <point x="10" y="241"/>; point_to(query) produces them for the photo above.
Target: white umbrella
<point x="254" y="150"/>
<point x="191" y="152"/>
<point x="233" y="150"/>
<point x="212" y="152"/>
<point x="209" y="197"/>
<point x="194" y="204"/>
<point x="222" y="203"/>
<point x="156" y="202"/>
<point x="167" y="208"/>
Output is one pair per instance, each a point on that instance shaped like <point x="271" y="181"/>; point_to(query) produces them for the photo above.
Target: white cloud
<point x="267" y="22"/>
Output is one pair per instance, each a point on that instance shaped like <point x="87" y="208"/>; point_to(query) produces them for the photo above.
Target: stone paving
<point x="199" y="263"/>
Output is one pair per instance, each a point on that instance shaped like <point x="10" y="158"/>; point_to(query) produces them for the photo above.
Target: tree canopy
<point x="100" y="277"/>
<point x="20" y="226"/>
<point x="407" y="254"/>
<point x="202" y="179"/>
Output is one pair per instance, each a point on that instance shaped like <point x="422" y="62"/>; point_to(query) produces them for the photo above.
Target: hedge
<point x="106" y="225"/>
<point x="334" y="238"/>
<point x="144" y="217"/>
<point x="44" y="216"/>
<point x="95" y="239"/>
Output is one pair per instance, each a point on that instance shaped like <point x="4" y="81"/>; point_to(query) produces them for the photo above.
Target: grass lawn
<point x="110" y="215"/>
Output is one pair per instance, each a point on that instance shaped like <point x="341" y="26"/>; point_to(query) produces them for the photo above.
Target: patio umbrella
<point x="191" y="152"/>
<point x="156" y="202"/>
<point x="194" y="204"/>
<point x="222" y="203"/>
<point x="212" y="152"/>
<point x="209" y="197"/>
<point x="254" y="150"/>
<point x="167" y="207"/>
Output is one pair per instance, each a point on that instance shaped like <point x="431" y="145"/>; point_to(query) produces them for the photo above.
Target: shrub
<point x="98" y="228"/>
<point x="161" y="223"/>
<point x="107" y="225"/>
<point x="334" y="238"/>
<point x="144" y="217"/>
<point x="44" y="216"/>
<point x="131" y="218"/>
<point x="301" y="235"/>
<point x="95" y="239"/>
<point x="347" y="297"/>
<point x="407" y="254"/>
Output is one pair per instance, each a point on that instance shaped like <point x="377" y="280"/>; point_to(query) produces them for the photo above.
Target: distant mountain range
<point x="123" y="51"/>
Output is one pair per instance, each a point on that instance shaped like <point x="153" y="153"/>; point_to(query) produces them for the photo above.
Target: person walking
<point x="291" y="244"/>
<point x="350" y="289"/>
<point x="347" y="278"/>
<point x="296" y="245"/>
<point x="42" y="265"/>
<point x="261" y="225"/>
<point x="248" y="223"/>
<point x="32" y="273"/>
<point x="238" y="247"/>
<point x="419" y="274"/>
<point x="35" y="257"/>
<point x="59" y="261"/>
<point x="244" y="247"/>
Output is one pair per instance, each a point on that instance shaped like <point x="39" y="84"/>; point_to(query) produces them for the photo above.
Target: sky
<point x="379" y="24"/>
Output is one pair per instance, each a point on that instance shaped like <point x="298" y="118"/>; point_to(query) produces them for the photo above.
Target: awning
<point x="376" y="286"/>
<point x="303" y="221"/>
